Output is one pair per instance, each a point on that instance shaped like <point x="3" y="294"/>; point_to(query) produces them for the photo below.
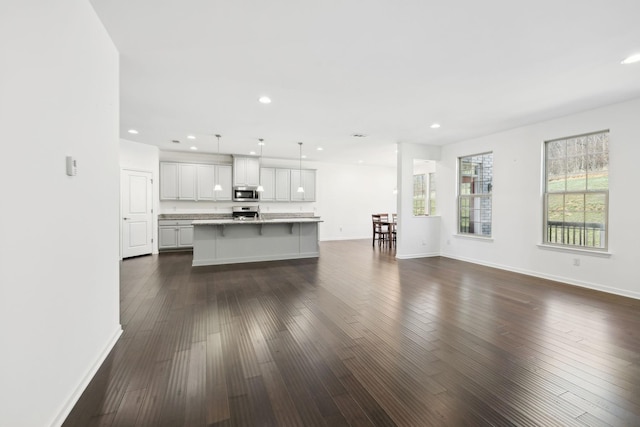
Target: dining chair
<point x="381" y="230"/>
<point x="394" y="227"/>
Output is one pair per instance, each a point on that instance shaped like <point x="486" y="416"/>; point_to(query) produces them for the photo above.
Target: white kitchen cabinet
<point x="224" y="176"/>
<point x="175" y="234"/>
<point x="206" y="182"/>
<point x="208" y="177"/>
<point x="187" y="181"/>
<point x="246" y="171"/>
<point x="268" y="182"/>
<point x="167" y="238"/>
<point x="185" y="236"/>
<point x="168" y="181"/>
<point x="177" y="181"/>
<point x="308" y="182"/>
<point x="283" y="185"/>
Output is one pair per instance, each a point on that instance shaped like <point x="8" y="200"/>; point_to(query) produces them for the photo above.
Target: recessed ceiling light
<point x="133" y="131"/>
<point x="360" y="161"/>
<point x="253" y="153"/>
<point x="435" y="126"/>
<point x="264" y="100"/>
<point x="631" y="59"/>
<point x="304" y="156"/>
<point x="193" y="147"/>
<point x="191" y="137"/>
<point x="319" y="148"/>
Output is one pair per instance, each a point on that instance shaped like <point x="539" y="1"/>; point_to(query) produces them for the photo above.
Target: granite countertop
<point x="227" y="218"/>
<point x="263" y="220"/>
<point x="195" y="216"/>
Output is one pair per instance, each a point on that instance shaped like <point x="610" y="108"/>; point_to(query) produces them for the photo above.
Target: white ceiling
<point x="386" y="69"/>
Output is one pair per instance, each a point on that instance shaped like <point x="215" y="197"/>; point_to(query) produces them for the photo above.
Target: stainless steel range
<point x="241" y="213"/>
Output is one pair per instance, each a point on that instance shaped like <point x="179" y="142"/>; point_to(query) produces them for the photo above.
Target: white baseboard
<point x="86" y="379"/>
<point x="335" y="238"/>
<point x="420" y="255"/>
<point x="565" y="280"/>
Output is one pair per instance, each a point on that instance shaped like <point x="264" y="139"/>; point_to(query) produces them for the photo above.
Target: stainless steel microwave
<point x="245" y="194"/>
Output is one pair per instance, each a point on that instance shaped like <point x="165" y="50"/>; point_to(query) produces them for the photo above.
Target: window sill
<point x="473" y="237"/>
<point x="603" y="254"/>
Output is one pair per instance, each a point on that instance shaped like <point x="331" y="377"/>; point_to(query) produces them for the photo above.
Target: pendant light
<point x="218" y="187"/>
<point x="300" y="189"/>
<point x="260" y="188"/>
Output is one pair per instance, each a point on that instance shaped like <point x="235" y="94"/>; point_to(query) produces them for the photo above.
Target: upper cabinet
<point x="268" y="181"/>
<point x="246" y="171"/>
<point x="225" y="178"/>
<point x="188" y="181"/>
<point x="305" y="178"/>
<point x="177" y="181"/>
<point x="168" y="181"/>
<point x="208" y="177"/>
<point x="283" y="185"/>
<point x="276" y="183"/>
<point x="192" y="181"/>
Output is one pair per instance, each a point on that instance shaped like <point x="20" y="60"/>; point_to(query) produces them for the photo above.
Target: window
<point x="475" y="184"/>
<point x="424" y="187"/>
<point x="419" y="194"/>
<point x="577" y="191"/>
<point x="432" y="193"/>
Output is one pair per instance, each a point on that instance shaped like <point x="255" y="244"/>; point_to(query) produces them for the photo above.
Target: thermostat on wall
<point x="72" y="168"/>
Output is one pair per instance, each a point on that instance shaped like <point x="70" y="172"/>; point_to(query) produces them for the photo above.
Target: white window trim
<point x="575" y="250"/>
<point x="474" y="237"/>
<point x="566" y="247"/>
<point x="459" y="196"/>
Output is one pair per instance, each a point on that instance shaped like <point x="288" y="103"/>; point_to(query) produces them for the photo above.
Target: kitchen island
<point x="229" y="241"/>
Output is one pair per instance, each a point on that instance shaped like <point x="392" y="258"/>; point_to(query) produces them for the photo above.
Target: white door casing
<point x="137" y="212"/>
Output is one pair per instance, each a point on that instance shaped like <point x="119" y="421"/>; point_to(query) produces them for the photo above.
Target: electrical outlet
<point x="576" y="262"/>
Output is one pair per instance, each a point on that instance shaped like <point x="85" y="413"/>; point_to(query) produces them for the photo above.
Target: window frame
<point x="425" y="198"/>
<point x="574" y="193"/>
<point x="487" y="195"/>
<point x="419" y="199"/>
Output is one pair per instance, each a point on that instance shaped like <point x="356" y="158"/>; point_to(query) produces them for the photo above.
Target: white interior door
<point x="137" y="213"/>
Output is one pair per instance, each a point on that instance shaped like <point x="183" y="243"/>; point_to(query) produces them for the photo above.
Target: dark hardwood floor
<point x="359" y="338"/>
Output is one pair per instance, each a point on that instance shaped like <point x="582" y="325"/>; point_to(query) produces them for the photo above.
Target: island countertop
<point x="229" y="221"/>
<point x="228" y="241"/>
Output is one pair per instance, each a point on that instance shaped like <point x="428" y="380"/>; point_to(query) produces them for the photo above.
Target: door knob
<point x="126" y="218"/>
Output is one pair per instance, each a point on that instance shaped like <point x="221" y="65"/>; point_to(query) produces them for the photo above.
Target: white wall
<point x="416" y="236"/>
<point x="59" y="308"/>
<point x="143" y="157"/>
<point x="346" y="195"/>
<point x="518" y="210"/>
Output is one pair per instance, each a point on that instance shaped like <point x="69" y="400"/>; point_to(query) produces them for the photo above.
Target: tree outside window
<point x="577" y="191"/>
